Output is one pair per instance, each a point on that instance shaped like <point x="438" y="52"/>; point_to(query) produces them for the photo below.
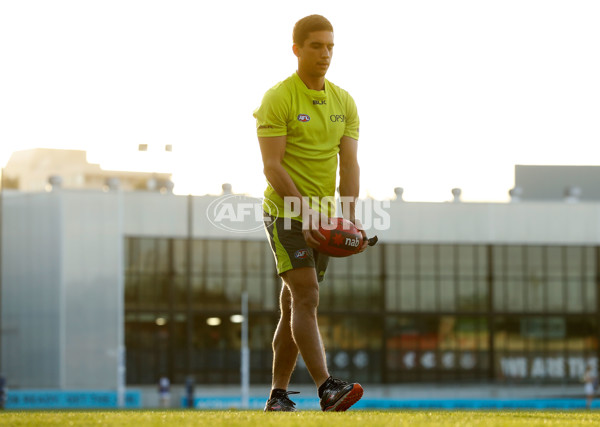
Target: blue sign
<point x="51" y="399"/>
<point x="229" y="402"/>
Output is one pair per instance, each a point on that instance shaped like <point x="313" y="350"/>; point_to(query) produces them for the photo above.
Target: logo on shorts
<point x="303" y="117"/>
<point x="301" y="254"/>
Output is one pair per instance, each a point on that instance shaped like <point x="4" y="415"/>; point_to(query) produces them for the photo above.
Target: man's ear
<point x="296" y="50"/>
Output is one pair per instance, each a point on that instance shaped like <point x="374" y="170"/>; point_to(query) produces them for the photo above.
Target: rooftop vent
<point x="572" y="194"/>
<point x="113" y="184"/>
<point x="456" y="192"/>
<point x="399" y="192"/>
<point x="515" y="194"/>
<point x="54" y="182"/>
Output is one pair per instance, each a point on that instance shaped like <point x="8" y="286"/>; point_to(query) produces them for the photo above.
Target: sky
<point x="449" y="93"/>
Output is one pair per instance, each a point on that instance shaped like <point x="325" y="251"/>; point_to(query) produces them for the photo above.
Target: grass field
<point x="300" y="419"/>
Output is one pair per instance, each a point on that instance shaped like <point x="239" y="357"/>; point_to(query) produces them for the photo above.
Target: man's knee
<point x="307" y="299"/>
<point x="304" y="289"/>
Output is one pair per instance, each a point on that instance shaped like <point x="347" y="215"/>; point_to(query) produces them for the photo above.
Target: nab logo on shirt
<point x="303" y="117"/>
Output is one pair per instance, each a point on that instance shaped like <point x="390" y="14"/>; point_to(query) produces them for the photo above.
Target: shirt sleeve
<point x="352" y="120"/>
<point x="272" y="115"/>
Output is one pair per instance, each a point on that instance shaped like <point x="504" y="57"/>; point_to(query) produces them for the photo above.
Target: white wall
<point x="93" y="283"/>
<point x="551" y="223"/>
<point x="62" y="267"/>
<point x="154" y="214"/>
<point x="32" y="290"/>
<point x="556" y="222"/>
<point x="62" y="280"/>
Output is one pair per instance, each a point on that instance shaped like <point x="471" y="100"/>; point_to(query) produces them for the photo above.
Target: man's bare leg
<point x="285" y="351"/>
<point x="304" y="289"/>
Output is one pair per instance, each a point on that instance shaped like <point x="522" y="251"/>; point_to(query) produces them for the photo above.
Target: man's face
<point x="314" y="56"/>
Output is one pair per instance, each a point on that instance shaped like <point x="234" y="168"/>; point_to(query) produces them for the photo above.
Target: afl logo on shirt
<point x="303" y="117"/>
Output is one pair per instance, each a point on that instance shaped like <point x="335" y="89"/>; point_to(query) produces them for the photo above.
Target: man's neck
<point x="314" y="83"/>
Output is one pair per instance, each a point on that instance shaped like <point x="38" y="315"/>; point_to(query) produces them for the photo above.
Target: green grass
<point x="301" y="419"/>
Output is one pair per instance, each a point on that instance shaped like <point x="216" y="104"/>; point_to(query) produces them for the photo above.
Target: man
<point x="303" y="124"/>
<point x="164" y="391"/>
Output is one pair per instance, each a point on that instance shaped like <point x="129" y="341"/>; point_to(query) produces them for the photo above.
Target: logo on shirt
<point x="337" y="118"/>
<point x="303" y="117"/>
<point x="319" y="102"/>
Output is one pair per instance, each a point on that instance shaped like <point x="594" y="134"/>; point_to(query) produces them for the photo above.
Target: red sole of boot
<point x="348" y="400"/>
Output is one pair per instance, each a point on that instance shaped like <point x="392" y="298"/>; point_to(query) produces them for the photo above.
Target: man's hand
<point x="311" y="220"/>
<point x="359" y="225"/>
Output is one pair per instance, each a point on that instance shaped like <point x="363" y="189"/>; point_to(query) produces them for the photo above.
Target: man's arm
<point x="272" y="149"/>
<point x="349" y="175"/>
<point x="350" y="181"/>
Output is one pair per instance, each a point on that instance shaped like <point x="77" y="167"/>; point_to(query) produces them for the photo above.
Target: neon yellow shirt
<point x="314" y="122"/>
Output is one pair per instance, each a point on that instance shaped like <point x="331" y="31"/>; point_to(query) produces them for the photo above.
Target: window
<point x="396" y="313"/>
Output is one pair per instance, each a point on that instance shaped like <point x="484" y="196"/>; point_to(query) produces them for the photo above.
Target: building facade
<point x="480" y="292"/>
<point x="29" y="171"/>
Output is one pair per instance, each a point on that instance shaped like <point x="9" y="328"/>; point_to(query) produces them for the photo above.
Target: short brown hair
<point x="309" y="24"/>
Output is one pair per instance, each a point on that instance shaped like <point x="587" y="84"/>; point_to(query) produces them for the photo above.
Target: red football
<point x="342" y="238"/>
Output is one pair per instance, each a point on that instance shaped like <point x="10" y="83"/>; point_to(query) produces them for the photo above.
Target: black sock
<point x="276" y="391"/>
<point x="323" y="387"/>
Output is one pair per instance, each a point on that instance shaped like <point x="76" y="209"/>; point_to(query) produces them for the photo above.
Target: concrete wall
<point x="548" y="182"/>
<point x="551" y="223"/>
<point x="62" y="267"/>
<point x="62" y="289"/>
<point x="93" y="281"/>
<point x="32" y="297"/>
<point x="542" y="222"/>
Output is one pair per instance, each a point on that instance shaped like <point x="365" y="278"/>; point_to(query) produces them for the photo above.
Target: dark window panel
<point x="411" y="322"/>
